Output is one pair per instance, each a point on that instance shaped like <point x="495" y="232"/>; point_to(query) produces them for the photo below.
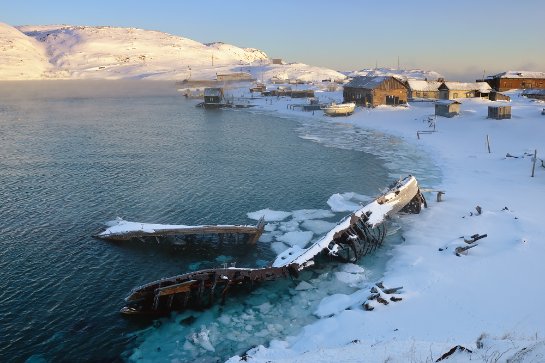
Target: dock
<point x="121" y="230"/>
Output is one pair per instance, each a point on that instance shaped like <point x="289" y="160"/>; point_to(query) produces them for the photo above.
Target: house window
<point x="455" y="95"/>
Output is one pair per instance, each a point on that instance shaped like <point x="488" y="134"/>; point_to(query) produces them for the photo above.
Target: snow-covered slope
<point x="21" y="57"/>
<point x="402" y="74"/>
<point x="85" y="52"/>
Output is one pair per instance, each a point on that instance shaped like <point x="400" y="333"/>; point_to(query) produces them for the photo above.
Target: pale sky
<point x="460" y="39"/>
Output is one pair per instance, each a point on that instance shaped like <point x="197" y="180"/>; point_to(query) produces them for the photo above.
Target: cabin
<point x="516" y="80"/>
<point x="278" y="80"/>
<point x="372" y="91"/>
<point x="258" y="87"/>
<point x="499" y="112"/>
<point x="497" y="96"/>
<point x="452" y="90"/>
<point x="213" y="97"/>
<point x="235" y="77"/>
<point x="423" y="89"/>
<point x="277" y="61"/>
<point x="447" y="108"/>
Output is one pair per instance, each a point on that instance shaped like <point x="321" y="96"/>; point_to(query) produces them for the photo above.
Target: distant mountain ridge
<point x="102" y="52"/>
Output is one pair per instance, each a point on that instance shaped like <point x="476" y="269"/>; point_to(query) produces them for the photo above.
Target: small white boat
<point x="341" y="109"/>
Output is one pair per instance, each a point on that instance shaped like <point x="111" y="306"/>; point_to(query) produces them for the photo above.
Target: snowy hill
<point x="85" y="52"/>
<point x="21" y="57"/>
<point x="402" y="74"/>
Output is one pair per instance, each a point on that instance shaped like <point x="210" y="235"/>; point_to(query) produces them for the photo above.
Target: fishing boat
<point x="340" y="109"/>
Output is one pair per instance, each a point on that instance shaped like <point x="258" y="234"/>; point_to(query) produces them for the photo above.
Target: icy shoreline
<point x="449" y="300"/>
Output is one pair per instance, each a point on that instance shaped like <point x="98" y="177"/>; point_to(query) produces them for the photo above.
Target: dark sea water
<point x="75" y="155"/>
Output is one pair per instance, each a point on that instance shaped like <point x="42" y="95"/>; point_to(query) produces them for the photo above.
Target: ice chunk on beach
<point x="266" y="237"/>
<point x="269" y="215"/>
<point x="202" y="339"/>
<point x="279" y="247"/>
<point x="342" y="203"/>
<point x="305" y="214"/>
<point x="332" y="305"/>
<point x="352" y="268"/>
<point x="317" y="226"/>
<point x="296" y="238"/>
<point x="289" y="226"/>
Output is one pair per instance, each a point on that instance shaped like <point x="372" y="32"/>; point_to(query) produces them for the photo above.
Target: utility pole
<point x="212" y="59"/>
<point x="397" y="62"/>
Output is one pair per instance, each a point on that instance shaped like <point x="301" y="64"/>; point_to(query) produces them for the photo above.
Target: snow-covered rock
<point x="21" y="57"/>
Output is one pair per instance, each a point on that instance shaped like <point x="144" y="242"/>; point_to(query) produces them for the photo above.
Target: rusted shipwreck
<point x="353" y="237"/>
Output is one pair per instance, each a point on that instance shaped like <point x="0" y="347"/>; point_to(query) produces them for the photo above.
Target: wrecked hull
<point x="199" y="289"/>
<point x="353" y="237"/>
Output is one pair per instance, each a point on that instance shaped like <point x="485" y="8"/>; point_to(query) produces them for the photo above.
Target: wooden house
<point x="423" y="89"/>
<point x="453" y="90"/>
<point x="277" y="61"/>
<point x="447" y="108"/>
<point x="375" y="91"/>
<point x="499" y="112"/>
<point x="516" y="80"/>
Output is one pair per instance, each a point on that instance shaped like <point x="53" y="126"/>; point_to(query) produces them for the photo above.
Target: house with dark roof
<point x="516" y="80"/>
<point x="372" y="91"/>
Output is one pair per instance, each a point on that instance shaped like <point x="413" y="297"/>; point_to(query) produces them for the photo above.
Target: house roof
<point x="422" y="85"/>
<point x="519" y="74"/>
<point x="368" y="82"/>
<point x="467" y="86"/>
<point x="213" y="92"/>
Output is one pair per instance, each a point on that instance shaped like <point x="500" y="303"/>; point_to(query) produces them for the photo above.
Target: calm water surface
<point x="74" y="155"/>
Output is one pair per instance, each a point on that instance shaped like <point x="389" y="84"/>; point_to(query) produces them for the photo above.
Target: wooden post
<point x="488" y="143"/>
<point x="534" y="163"/>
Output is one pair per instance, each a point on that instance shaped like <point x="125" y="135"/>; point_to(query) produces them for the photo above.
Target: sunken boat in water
<point x="353" y="237"/>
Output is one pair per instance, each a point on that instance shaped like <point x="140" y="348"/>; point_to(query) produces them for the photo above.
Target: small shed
<point x="499" y="112"/>
<point x="497" y="96"/>
<point x="277" y="61"/>
<point x="447" y="108"/>
<point x="452" y="90"/>
<point x="213" y="96"/>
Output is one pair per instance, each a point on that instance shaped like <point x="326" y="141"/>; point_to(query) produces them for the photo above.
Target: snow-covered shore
<point x="488" y="301"/>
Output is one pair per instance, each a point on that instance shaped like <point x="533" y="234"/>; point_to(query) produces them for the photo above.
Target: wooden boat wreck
<point x="353" y="237"/>
<point x="121" y="230"/>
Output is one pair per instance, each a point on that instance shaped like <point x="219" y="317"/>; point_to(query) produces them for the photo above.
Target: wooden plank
<point x="175" y="289"/>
